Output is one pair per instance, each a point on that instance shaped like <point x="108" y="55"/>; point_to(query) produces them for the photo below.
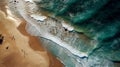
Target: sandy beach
<point x="20" y="49"/>
<point x="38" y="47"/>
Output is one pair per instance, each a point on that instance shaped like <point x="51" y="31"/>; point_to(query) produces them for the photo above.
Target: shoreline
<point x="20" y="49"/>
<point x="15" y="50"/>
<point x="38" y="47"/>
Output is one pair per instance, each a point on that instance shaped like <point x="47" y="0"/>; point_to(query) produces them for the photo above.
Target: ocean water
<point x="97" y="19"/>
<point x="91" y="38"/>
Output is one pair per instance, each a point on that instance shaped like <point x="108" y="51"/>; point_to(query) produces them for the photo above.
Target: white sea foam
<point x="41" y="31"/>
<point x="67" y="26"/>
<point x="38" y="17"/>
<point x="29" y="1"/>
<point x="45" y="34"/>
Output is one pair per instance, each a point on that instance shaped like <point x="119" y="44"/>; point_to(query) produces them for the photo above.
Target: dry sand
<point x="15" y="50"/>
<point x="19" y="49"/>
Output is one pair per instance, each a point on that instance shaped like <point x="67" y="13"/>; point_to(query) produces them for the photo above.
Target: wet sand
<point x="36" y="45"/>
<point x="20" y="49"/>
<point x="15" y="50"/>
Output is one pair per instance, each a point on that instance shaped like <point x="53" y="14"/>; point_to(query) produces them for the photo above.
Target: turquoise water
<point x="97" y="19"/>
